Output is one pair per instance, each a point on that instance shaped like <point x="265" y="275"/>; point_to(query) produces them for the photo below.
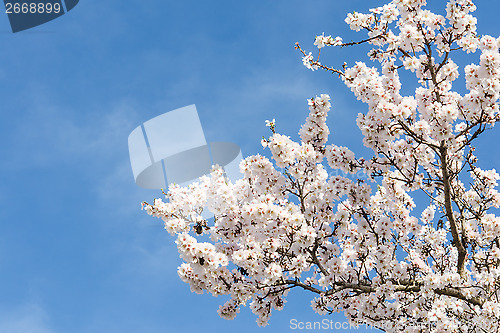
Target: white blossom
<point x="406" y="238"/>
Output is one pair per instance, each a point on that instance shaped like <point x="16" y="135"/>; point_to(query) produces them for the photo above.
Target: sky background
<point x="76" y="252"/>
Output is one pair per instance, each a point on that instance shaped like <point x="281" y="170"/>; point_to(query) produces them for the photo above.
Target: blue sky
<point x="76" y="252"/>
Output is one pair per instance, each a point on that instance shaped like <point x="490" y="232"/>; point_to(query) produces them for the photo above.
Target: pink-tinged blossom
<point x="406" y="237"/>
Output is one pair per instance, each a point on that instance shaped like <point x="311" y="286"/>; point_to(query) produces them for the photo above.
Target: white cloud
<point x="29" y="318"/>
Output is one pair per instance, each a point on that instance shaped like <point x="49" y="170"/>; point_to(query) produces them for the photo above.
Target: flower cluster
<point x="362" y="247"/>
<point x="322" y="41"/>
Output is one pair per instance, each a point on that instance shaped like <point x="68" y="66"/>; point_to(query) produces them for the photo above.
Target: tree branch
<point x="403" y="286"/>
<point x="457" y="241"/>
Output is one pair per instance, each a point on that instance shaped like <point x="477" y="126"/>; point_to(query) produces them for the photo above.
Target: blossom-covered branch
<point x="358" y="243"/>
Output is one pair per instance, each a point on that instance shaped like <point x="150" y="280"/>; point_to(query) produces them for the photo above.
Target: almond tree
<point x="356" y="244"/>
